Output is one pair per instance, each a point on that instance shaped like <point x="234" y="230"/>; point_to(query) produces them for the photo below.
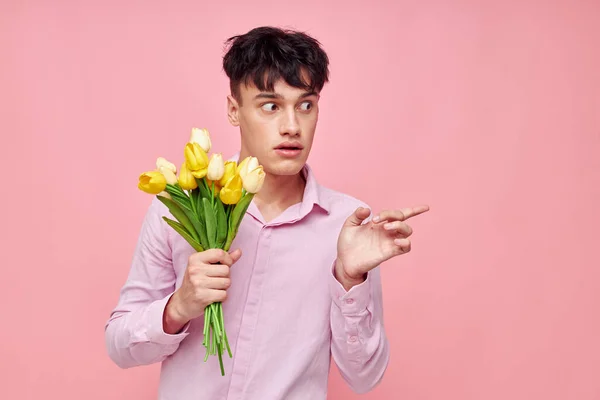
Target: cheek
<point x="309" y="124"/>
<point x="256" y="133"/>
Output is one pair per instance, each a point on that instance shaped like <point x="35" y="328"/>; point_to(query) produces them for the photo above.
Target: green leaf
<point x="179" y="228"/>
<point x="182" y="202"/>
<point x="203" y="189"/>
<point x="181" y="214"/>
<point x="236" y="218"/>
<point x="196" y="228"/>
<point x="202" y="222"/>
<point x="222" y="225"/>
<point x="193" y="200"/>
<point x="196" y="217"/>
<point x="178" y="195"/>
<point x="211" y="223"/>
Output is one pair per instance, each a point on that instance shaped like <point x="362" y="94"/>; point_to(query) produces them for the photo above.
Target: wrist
<point x="347" y="280"/>
<point x="173" y="319"/>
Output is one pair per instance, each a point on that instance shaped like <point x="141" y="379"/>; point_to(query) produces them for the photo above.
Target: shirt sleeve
<point x="134" y="332"/>
<point x="359" y="344"/>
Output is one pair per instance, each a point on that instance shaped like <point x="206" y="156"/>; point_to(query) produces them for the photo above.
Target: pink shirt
<point x="285" y="314"/>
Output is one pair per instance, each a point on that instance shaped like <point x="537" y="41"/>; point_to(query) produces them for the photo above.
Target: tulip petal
<point x="152" y="182"/>
<point x="186" y="179"/>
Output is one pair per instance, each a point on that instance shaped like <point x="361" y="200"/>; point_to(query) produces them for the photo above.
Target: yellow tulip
<point x="232" y="191"/>
<point x="202" y="137"/>
<point x="254" y="180"/>
<point x="216" y="167"/>
<point x="163" y="162"/>
<point x="230" y="170"/>
<point x="196" y="160"/>
<point x="247" y="165"/>
<point x="168" y="174"/>
<point x="186" y="179"/>
<point x="152" y="182"/>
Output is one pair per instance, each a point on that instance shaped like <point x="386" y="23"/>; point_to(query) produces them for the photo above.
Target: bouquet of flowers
<point x="207" y="200"/>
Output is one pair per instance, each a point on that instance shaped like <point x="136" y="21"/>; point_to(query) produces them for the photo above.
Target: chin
<point x="284" y="167"/>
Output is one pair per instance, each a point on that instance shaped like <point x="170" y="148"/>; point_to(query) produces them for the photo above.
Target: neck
<point x="281" y="191"/>
<point x="278" y="192"/>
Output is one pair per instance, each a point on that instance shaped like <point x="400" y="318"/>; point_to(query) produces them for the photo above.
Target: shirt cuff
<point x="155" y="332"/>
<point x="353" y="301"/>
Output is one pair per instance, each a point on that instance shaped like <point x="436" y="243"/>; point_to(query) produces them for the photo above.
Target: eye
<point x="269" y="107"/>
<point x="306" y="106"/>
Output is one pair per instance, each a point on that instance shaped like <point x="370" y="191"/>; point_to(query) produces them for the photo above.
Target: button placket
<point x="244" y="348"/>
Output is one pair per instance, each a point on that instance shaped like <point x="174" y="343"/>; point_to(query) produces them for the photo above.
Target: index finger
<point x="216" y="256"/>
<point x="402" y="214"/>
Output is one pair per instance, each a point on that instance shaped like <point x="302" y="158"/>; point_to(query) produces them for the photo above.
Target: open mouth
<point x="291" y="150"/>
<point x="289" y="146"/>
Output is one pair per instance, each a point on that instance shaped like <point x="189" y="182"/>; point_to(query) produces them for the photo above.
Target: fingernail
<point x="376" y="219"/>
<point x="388" y="226"/>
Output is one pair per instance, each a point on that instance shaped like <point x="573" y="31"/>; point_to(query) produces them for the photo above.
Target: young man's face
<point x="269" y="120"/>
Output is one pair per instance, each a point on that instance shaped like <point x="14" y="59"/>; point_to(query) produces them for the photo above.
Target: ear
<point x="233" y="110"/>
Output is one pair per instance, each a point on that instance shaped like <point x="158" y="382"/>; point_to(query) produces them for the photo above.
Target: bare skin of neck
<point x="278" y="193"/>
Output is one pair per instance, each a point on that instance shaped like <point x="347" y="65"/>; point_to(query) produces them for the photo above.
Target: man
<point x="302" y="284"/>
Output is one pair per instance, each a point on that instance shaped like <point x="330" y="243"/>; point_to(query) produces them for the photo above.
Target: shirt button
<point x="349" y="301"/>
<point x="353" y="339"/>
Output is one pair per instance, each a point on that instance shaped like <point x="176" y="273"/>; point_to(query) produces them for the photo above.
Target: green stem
<point x="224" y="332"/>
<point x="212" y="197"/>
<point x="221" y="361"/>
<point x="212" y="342"/>
<point x="207" y="347"/>
<point x="215" y="322"/>
<point x="206" y="325"/>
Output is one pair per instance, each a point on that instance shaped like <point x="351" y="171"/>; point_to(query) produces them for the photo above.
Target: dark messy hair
<point x="266" y="54"/>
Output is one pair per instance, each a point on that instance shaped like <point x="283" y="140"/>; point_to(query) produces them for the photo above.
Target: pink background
<point x="487" y="111"/>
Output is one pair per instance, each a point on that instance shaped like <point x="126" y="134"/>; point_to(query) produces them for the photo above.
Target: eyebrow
<point x="271" y="95"/>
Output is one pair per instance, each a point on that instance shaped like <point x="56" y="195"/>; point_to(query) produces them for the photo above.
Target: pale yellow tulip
<point x="253" y="181"/>
<point x="202" y="137"/>
<point x="168" y="174"/>
<point x="216" y="167"/>
<point x="247" y="165"/>
<point x="163" y="162"/>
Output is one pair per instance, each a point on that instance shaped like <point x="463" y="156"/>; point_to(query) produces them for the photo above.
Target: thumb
<point x="358" y="216"/>
<point x="236" y="254"/>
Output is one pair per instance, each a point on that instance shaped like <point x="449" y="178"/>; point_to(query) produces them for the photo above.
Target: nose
<point x="289" y="124"/>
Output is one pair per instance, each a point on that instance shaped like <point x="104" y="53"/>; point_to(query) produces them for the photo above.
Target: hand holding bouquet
<point x="208" y="201"/>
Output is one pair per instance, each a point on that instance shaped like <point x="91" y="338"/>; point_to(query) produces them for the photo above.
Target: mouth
<point x="289" y="149"/>
<point x="289" y="146"/>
